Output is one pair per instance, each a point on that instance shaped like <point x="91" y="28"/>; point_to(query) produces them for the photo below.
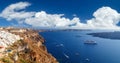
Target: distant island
<point x="108" y="35"/>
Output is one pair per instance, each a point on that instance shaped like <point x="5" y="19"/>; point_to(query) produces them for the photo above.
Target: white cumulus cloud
<point x="12" y="12"/>
<point x="104" y="18"/>
<point x="42" y="19"/>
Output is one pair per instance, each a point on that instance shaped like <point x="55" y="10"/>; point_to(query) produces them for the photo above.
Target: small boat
<point x="66" y="56"/>
<point x="60" y="45"/>
<point x="90" y="42"/>
<point x="87" y="59"/>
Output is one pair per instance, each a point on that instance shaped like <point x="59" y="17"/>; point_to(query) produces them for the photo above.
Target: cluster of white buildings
<point x="7" y="38"/>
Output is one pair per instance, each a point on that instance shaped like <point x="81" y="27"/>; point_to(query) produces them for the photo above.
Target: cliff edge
<point x="28" y="49"/>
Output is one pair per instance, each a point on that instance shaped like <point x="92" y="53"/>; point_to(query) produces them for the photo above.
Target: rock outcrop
<point x="29" y="49"/>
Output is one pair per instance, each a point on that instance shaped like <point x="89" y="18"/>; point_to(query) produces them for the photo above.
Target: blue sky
<point x="82" y="9"/>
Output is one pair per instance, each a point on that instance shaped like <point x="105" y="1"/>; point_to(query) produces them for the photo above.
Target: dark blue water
<point x="69" y="47"/>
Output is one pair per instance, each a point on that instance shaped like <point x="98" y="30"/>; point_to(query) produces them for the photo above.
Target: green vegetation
<point x="6" y="60"/>
<point x="23" y="61"/>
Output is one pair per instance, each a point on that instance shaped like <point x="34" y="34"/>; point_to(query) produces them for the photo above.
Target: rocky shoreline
<point x="29" y="49"/>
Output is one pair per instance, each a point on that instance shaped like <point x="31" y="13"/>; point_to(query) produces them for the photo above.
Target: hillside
<point x="27" y="48"/>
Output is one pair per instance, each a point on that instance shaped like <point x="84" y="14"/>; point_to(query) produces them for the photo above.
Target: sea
<point x="69" y="47"/>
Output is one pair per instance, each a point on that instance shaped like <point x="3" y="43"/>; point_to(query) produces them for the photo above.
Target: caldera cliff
<point x="28" y="48"/>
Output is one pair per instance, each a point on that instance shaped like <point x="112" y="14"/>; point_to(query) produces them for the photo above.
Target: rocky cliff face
<point x="30" y="49"/>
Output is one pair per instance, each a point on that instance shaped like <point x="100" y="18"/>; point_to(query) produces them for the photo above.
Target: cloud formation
<point x="13" y="12"/>
<point x="104" y="18"/>
<point x="51" y="20"/>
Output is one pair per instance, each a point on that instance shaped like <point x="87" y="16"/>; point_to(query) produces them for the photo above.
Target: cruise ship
<point x="90" y="42"/>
